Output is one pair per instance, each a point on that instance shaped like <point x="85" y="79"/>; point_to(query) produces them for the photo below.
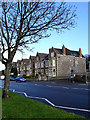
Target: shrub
<point x="84" y="78"/>
<point x="80" y="78"/>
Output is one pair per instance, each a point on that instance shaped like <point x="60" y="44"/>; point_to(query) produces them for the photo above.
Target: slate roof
<point x="68" y="52"/>
<point x="46" y="57"/>
<point x="42" y="55"/>
<point x="33" y="58"/>
<point x="25" y="61"/>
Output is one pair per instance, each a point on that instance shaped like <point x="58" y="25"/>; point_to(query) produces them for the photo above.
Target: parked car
<point x="12" y="78"/>
<point x="20" y="79"/>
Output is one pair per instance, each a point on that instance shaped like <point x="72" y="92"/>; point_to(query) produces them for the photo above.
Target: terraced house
<point x="58" y="63"/>
<point x="24" y="67"/>
<point x="40" y="63"/>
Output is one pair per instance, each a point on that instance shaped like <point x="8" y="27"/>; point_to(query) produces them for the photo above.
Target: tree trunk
<point x="7" y="81"/>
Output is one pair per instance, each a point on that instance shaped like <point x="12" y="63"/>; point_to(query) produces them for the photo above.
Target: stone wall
<point x="66" y="63"/>
<point x="80" y="65"/>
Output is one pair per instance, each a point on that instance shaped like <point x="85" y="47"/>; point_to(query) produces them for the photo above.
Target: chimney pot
<point x="63" y="46"/>
<point x="80" y="52"/>
<point x="64" y="51"/>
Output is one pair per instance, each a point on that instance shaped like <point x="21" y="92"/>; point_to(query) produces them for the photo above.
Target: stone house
<point x="63" y="61"/>
<point x="24" y="67"/>
<point x="40" y="63"/>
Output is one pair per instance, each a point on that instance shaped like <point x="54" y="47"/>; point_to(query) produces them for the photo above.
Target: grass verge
<point x="18" y="106"/>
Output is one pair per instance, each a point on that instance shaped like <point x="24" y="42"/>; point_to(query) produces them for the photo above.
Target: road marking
<point x="49" y="86"/>
<point x="75" y="88"/>
<point x="68" y="87"/>
<point x="80" y="88"/>
<point x="35" y="84"/>
<point x="48" y="101"/>
<point x="65" y="87"/>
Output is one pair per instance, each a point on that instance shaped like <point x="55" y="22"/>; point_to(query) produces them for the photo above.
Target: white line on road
<point x="69" y="108"/>
<point x="65" y="87"/>
<point x="68" y="87"/>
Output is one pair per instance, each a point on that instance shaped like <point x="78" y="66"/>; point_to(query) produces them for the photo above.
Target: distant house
<point x="32" y="65"/>
<point x="58" y="63"/>
<point x="18" y="66"/>
<point x="39" y="63"/>
<point x="24" y="67"/>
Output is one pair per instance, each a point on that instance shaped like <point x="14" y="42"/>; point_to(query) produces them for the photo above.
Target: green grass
<point x="18" y="106"/>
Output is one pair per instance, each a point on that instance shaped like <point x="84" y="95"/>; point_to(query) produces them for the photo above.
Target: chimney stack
<point x="80" y="52"/>
<point x="64" y="51"/>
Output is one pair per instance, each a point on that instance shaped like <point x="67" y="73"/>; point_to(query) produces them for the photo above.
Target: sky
<point x="89" y="28"/>
<point x="73" y="39"/>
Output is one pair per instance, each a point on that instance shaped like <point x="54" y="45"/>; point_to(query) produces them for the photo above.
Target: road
<point x="70" y="97"/>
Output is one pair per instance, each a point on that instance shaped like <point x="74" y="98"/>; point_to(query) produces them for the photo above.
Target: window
<point x="27" y="67"/>
<point x="30" y="72"/>
<point x="22" y="68"/>
<point x="42" y="64"/>
<point x="53" y="62"/>
<point x="52" y="54"/>
<point x="30" y="61"/>
<point x="47" y="63"/>
<point x="35" y="65"/>
<point x="50" y="62"/>
<point x="50" y="71"/>
<point x="54" y="72"/>
<point x="30" y="66"/>
<point x="37" y="58"/>
<point x="73" y="54"/>
<point x="47" y="72"/>
<point x="42" y="71"/>
<point x="38" y="65"/>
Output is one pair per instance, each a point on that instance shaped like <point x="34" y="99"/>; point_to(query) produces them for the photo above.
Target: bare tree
<point x="24" y="23"/>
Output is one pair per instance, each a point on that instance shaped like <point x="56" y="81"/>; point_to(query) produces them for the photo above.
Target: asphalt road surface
<point x="70" y="97"/>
